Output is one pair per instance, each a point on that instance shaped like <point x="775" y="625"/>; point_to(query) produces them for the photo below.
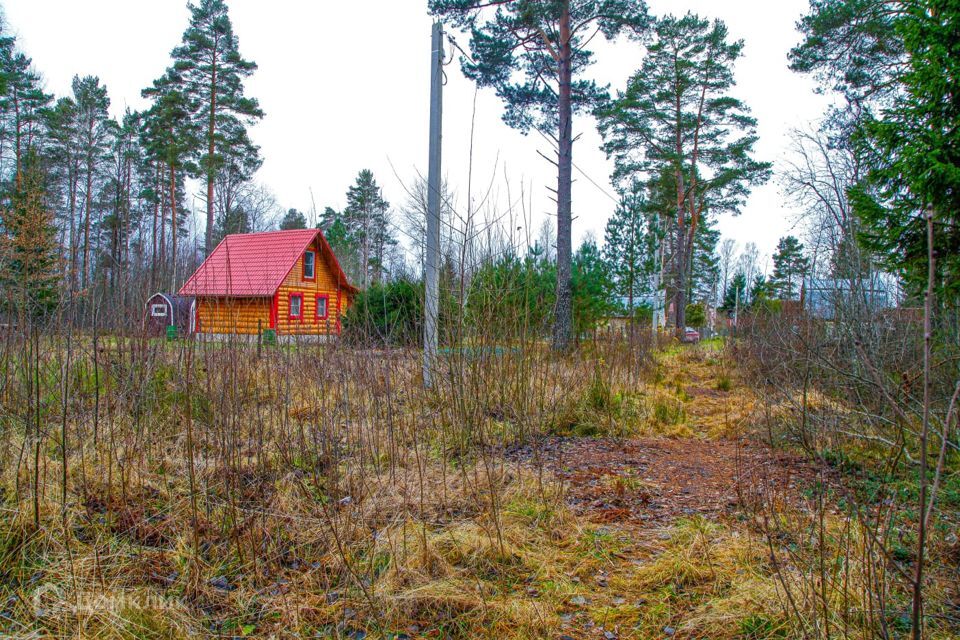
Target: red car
<point x="691" y="335"/>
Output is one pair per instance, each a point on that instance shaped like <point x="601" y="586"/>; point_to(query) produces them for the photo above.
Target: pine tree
<point x="7" y="50"/>
<point x="169" y="138"/>
<point x="760" y="290"/>
<point x="63" y="148"/>
<point x="209" y="64"/>
<point x="94" y="130"/>
<point x="23" y="104"/>
<point x="789" y="267"/>
<point x="677" y="114"/>
<point x="293" y="219"/>
<point x="705" y="271"/>
<point x="534" y="54"/>
<point x="591" y="288"/>
<point x="122" y="217"/>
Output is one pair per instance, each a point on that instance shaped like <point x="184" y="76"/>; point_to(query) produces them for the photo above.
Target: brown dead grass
<point x="370" y="514"/>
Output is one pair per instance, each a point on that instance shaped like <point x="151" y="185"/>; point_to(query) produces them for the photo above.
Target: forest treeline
<point x="101" y="203"/>
<point x="103" y="200"/>
<point x="95" y="207"/>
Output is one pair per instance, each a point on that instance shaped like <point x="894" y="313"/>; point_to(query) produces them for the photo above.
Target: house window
<point x="296" y="306"/>
<point x="323" y="303"/>
<point x="158" y="310"/>
<point x="309" y="265"/>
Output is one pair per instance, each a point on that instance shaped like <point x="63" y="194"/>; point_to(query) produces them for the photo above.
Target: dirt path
<point x="655" y="481"/>
<point x="711" y="468"/>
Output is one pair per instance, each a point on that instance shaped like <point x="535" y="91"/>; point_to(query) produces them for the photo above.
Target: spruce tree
<point x="789" y="267"/>
<point x="534" y="55"/>
<point x="736" y="293"/>
<point x="30" y="273"/>
<point x="591" y="288"/>
<point x="293" y="219"/>
<point x="626" y="248"/>
<point x="341" y="241"/>
<point x="211" y="69"/>
<point x="898" y="63"/>
<point x="759" y="290"/>
<point x="234" y="221"/>
<point x="367" y="222"/>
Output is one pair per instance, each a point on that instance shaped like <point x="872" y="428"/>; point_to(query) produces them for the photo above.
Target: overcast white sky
<point x="345" y="86"/>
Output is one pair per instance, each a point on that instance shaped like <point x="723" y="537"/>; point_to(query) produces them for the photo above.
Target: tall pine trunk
<point x="366" y="244"/>
<point x="680" y="252"/>
<point x="163" y="224"/>
<point x="563" y="322"/>
<point x="17" y="136"/>
<point x="88" y="200"/>
<point x="74" y="231"/>
<point x="153" y="237"/>
<point x="173" y="225"/>
<point x="128" y="199"/>
<point x="211" y="149"/>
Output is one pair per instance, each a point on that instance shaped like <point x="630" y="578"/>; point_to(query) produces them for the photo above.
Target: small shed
<point x="167" y="309"/>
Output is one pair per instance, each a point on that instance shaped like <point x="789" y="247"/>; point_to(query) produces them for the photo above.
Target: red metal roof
<point x="255" y="264"/>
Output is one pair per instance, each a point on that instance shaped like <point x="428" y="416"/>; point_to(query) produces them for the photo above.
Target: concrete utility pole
<point x="736" y="310"/>
<point x="659" y="296"/>
<point x="431" y="265"/>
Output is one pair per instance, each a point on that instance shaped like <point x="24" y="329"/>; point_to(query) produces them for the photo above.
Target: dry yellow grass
<point x="364" y="512"/>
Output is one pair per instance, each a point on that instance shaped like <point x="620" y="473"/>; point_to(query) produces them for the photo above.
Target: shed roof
<point x="255" y="264"/>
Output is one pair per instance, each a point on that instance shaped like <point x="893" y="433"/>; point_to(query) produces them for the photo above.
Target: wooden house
<point x="169" y="310"/>
<point x="288" y="281"/>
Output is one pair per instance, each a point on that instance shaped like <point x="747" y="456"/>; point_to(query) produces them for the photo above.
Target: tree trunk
<point x="563" y="322"/>
<point x="128" y="187"/>
<point x="153" y="237"/>
<point x="88" y="200"/>
<point x="173" y="225"/>
<point x="211" y="149"/>
<point x="72" y="177"/>
<point x="163" y="223"/>
<point x="366" y="244"/>
<point x="17" y="135"/>
<point x="680" y="254"/>
<point x="681" y="297"/>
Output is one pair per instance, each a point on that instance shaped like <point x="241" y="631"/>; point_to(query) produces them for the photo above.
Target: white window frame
<point x="299" y="298"/>
<point x="156" y="309"/>
<point x="313" y="265"/>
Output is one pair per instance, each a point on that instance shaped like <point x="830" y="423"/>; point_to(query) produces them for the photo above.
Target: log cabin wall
<point x="324" y="283"/>
<point x="233" y="315"/>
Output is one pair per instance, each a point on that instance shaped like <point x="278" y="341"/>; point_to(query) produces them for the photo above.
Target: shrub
<point x="696" y="315"/>
<point x="389" y="313"/>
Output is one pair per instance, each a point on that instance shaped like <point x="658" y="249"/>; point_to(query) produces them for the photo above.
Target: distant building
<point x="827" y="298"/>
